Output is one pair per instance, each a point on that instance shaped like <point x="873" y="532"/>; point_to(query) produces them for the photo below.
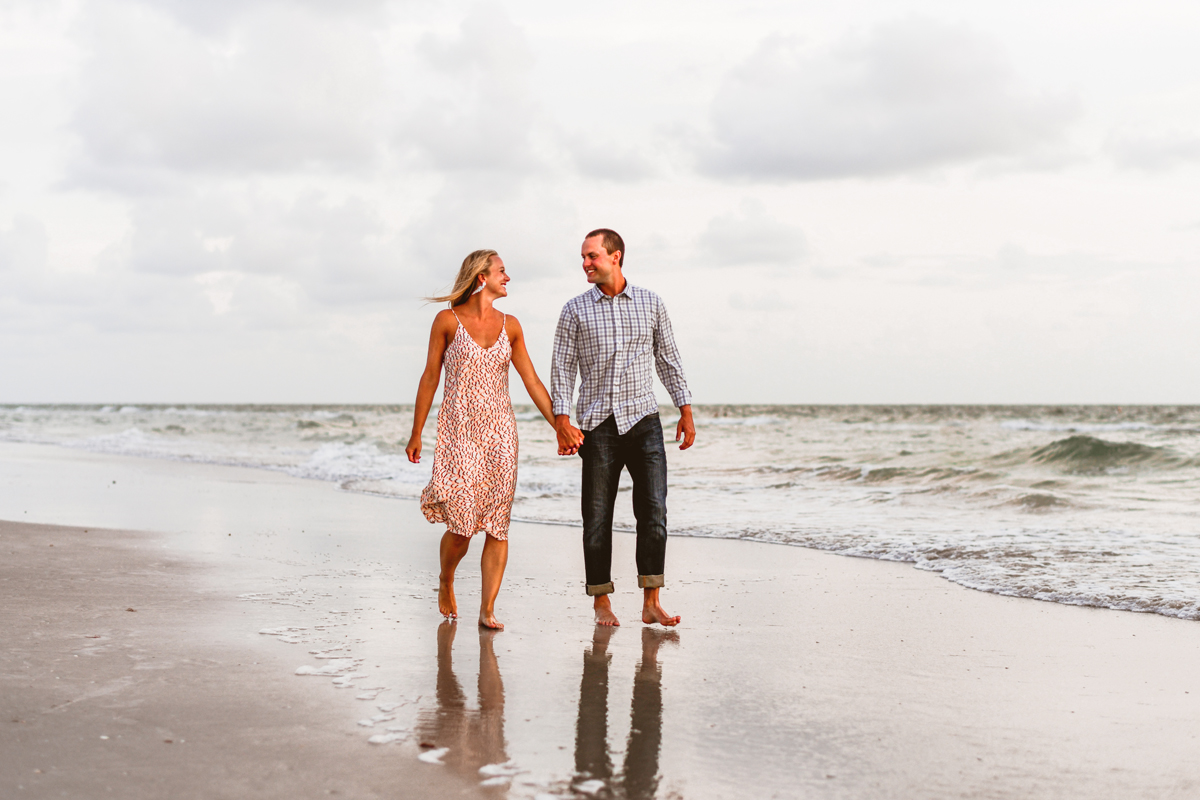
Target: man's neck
<point x="614" y="287"/>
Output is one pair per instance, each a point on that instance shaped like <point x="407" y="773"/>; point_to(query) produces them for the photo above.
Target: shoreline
<point x="795" y="671"/>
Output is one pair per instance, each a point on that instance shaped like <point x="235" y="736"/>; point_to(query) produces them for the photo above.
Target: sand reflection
<point x="473" y="738"/>
<point x="638" y="777"/>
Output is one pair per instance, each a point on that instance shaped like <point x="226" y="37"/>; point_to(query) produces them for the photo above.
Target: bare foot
<point x="653" y="612"/>
<point x="446" y="602"/>
<point x="604" y="612"/>
<point x="487" y="619"/>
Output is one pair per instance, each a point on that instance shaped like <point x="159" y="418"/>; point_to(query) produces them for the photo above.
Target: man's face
<point x="598" y="263"/>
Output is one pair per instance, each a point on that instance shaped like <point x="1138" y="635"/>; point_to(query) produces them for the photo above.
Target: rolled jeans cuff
<point x="600" y="588"/>
<point x="650" y="581"/>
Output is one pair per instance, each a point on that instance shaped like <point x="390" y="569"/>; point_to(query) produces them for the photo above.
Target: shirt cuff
<point x="561" y="409"/>
<point x="681" y="399"/>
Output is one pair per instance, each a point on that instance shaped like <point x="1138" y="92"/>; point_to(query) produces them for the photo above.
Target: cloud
<point x="910" y="95"/>
<point x="217" y="16"/>
<point x="609" y="161"/>
<point x="23" y="246"/>
<point x="477" y="113"/>
<point x="751" y="236"/>
<point x="1154" y="153"/>
<point x="288" y="91"/>
<point x="331" y="251"/>
<point x="533" y="226"/>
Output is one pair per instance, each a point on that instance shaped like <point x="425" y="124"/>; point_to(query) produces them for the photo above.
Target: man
<point x="610" y="335"/>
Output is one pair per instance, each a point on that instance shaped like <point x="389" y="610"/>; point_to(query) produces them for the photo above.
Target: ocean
<point x="1084" y="505"/>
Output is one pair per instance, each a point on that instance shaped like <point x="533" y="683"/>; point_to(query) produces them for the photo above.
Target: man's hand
<point x="570" y="438"/>
<point x="686" y="429"/>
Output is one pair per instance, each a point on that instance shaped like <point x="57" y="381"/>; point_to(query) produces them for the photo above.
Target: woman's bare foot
<point x="451" y="551"/>
<point x="487" y="619"/>
<point x="652" y="611"/>
<point x="446" y="602"/>
<point x="604" y="612"/>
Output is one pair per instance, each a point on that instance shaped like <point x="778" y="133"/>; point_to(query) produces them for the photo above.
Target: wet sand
<point x="794" y="673"/>
<point x="121" y="677"/>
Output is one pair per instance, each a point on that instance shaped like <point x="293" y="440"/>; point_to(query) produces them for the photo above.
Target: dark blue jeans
<point x="605" y="452"/>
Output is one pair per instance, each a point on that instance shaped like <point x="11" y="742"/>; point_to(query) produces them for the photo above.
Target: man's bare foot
<point x="446" y="602"/>
<point x="652" y="611"/>
<point x="604" y="612"/>
<point x="487" y="619"/>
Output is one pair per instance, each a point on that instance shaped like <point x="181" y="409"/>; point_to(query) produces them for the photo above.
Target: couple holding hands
<point x="610" y="336"/>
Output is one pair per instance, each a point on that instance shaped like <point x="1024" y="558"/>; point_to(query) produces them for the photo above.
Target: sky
<point x="857" y="202"/>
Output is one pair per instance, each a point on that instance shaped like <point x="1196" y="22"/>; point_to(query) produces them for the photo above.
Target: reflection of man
<point x="639" y="776"/>
<point x="611" y="335"/>
<point x="473" y="738"/>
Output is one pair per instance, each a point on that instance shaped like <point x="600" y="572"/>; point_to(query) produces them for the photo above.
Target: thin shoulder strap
<point x="456" y="316"/>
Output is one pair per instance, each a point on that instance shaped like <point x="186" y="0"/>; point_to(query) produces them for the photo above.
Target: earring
<point x="478" y="288"/>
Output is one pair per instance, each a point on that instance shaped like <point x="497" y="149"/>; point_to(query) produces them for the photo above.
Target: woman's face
<point x="496" y="277"/>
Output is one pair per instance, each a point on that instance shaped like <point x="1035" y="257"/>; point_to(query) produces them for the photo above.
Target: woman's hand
<point x="414" y="449"/>
<point x="570" y="438"/>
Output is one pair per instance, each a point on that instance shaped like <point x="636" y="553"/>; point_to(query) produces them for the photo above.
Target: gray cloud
<point x="289" y="91"/>
<point x="1154" y="153"/>
<point x="23" y="246"/>
<point x="478" y="113"/>
<point x="217" y="16"/>
<point x="751" y="236"/>
<point x="609" y="161"/>
<point x="910" y="95"/>
<point x="331" y="251"/>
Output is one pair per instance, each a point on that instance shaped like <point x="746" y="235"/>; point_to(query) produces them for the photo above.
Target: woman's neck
<point x="478" y="305"/>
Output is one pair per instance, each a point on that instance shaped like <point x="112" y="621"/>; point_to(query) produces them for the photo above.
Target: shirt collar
<point x="598" y="295"/>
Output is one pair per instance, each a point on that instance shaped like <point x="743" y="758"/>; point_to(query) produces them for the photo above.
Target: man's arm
<point x="669" y="364"/>
<point x="564" y="366"/>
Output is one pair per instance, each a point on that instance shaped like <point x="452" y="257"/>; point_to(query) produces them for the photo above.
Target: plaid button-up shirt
<point x="610" y="342"/>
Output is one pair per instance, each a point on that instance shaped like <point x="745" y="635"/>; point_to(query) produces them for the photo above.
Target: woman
<point x="475" y="458"/>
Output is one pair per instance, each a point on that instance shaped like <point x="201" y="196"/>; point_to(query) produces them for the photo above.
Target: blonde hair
<point x="474" y="265"/>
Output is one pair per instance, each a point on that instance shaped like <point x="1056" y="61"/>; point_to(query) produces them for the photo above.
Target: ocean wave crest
<point x="1089" y="455"/>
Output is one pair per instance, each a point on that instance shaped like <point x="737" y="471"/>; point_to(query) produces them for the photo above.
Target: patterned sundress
<point x="475" y="458"/>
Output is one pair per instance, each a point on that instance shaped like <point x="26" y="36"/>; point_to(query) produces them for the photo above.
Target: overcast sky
<point x="877" y="202"/>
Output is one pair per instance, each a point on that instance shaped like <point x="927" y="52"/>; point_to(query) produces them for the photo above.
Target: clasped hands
<point x="570" y="438"/>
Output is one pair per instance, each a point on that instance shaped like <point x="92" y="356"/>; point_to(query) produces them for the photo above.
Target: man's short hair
<point x="612" y="242"/>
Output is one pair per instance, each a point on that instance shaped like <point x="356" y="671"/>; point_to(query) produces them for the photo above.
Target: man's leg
<point x="601" y="473"/>
<point x="592" y="757"/>
<point x="646" y="458"/>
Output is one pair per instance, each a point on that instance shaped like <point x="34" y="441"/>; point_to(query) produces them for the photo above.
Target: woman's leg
<point x="453" y="548"/>
<point x="495" y="559"/>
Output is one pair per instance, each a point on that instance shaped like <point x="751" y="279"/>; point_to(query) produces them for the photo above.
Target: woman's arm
<point x="427" y="388"/>
<point x="568" y="445"/>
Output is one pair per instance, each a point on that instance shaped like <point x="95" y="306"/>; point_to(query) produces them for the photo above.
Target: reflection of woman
<point x="473" y="739"/>
<point x="475" y="458"/>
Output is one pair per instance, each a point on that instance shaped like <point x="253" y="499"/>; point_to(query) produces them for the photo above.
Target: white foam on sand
<point x="331" y="670"/>
<point x="433" y="756"/>
<point x="388" y="738"/>
<point x="344" y="681"/>
<point x="507" y="769"/>
<point x="334" y="652"/>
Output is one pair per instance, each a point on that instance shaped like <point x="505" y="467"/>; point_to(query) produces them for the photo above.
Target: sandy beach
<point x="795" y="673"/>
